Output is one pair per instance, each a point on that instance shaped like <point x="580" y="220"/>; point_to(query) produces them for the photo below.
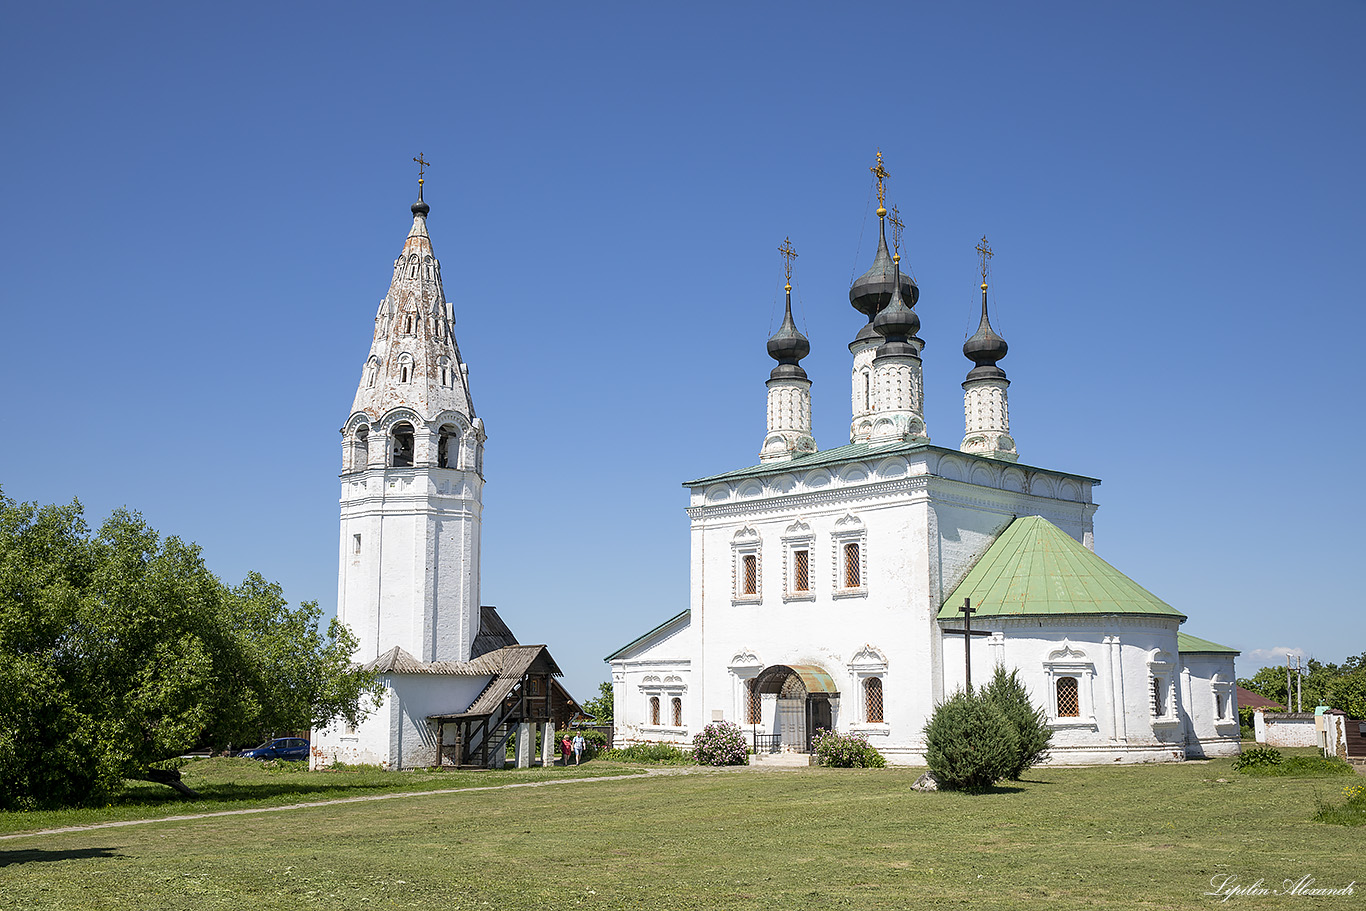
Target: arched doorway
<point x="804" y="693"/>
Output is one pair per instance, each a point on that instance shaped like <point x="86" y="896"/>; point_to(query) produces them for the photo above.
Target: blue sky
<point x="202" y="205"/>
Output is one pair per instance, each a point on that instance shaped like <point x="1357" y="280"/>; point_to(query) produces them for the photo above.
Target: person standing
<point x="578" y="748"/>
<point x="566" y="748"/>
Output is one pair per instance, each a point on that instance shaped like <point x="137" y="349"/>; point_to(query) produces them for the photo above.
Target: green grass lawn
<point x="1114" y="837"/>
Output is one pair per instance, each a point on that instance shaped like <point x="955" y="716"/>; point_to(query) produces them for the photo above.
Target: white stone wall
<point x="397" y="735"/>
<point x="986" y="419"/>
<point x="1280" y="730"/>
<point x="918" y="532"/>
<point x="863" y="393"/>
<point x="789" y="420"/>
<point x="660" y="667"/>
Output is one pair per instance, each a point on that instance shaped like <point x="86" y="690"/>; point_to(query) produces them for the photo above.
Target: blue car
<point x="291" y="748"/>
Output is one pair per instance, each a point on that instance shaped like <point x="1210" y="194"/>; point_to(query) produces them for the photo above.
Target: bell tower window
<point x="447" y="447"/>
<point x="401" y="447"/>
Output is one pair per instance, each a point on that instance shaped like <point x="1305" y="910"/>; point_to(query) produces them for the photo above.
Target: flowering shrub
<point x="722" y="743"/>
<point x="846" y="751"/>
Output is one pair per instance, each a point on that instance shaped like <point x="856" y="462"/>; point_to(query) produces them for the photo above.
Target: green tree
<point x="969" y="743"/>
<point x="120" y="650"/>
<point x="1008" y="693"/>
<point x="600" y="706"/>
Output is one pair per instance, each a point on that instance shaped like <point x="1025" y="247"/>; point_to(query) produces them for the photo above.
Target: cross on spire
<point x="897" y="227"/>
<point x="881" y="174"/>
<point x="983" y="255"/>
<point x="789" y="253"/>
<point x="422" y="167"/>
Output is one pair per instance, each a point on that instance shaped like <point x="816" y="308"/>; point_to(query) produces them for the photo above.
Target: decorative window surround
<point x="1223" y="697"/>
<point x="1162" y="689"/>
<point x="659" y="695"/>
<point x="849" y="530"/>
<point x="868" y="662"/>
<point x="798" y="537"/>
<point x="746" y="543"/>
<point x="1070" y="662"/>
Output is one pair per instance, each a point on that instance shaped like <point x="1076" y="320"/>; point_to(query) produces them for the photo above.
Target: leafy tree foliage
<point x="120" y="650"/>
<point x="970" y="743"/>
<point x="1009" y="695"/>
<point x="1342" y="686"/>
<point x="600" y="706"/>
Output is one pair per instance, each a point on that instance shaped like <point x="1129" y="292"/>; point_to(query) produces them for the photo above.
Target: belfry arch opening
<point x="448" y="446"/>
<point x="360" y="449"/>
<point x="401" y="445"/>
<point x="803" y="702"/>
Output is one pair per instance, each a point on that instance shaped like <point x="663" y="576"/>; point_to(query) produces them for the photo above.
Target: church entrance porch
<point x="802" y="695"/>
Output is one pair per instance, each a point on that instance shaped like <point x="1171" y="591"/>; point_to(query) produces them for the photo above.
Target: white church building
<point x="412" y="484"/>
<point x="826" y="585"/>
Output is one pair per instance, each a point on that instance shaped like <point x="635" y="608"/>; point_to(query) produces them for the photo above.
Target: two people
<point x="576" y="746"/>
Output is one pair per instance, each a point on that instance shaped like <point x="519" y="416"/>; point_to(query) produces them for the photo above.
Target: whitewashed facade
<point x="833" y="569"/>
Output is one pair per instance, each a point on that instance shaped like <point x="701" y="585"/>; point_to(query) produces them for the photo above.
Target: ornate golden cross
<point x="983" y="254"/>
<point x="789" y="253"/>
<point x="897" y="227"/>
<point x="881" y="174"/>
<point x="422" y="166"/>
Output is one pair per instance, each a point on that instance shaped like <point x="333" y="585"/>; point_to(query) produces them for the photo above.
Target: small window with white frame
<point x="868" y="667"/>
<point x="798" y="544"/>
<point x="1069" y="673"/>
<point x="1222" y="690"/>
<point x="748" y="568"/>
<point x="1162" y="688"/>
<point x="850" y="540"/>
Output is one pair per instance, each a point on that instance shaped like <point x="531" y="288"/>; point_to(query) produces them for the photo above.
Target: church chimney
<point x="789" y="390"/>
<point x="986" y="412"/>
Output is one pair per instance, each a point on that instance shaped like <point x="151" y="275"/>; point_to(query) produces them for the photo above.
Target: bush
<point x="722" y="743"/>
<point x="846" y="751"/>
<point x="665" y="753"/>
<point x="970" y="744"/>
<point x="1257" y="757"/>
<point x="1009" y="695"/>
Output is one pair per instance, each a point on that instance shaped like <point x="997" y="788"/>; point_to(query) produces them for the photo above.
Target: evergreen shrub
<point x="970" y="743"/>
<point x="1009" y="695"/>
<point x="721" y="743"/>
<point x="846" y="751"/>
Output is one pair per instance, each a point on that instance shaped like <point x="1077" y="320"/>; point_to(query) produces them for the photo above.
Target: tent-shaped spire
<point x="1036" y="568"/>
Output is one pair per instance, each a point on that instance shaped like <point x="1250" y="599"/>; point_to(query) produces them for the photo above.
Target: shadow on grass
<point x="32" y="856"/>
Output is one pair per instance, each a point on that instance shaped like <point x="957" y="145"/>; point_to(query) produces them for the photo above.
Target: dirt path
<point x="648" y="773"/>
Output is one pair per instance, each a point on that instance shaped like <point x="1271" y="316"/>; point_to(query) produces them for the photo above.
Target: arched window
<point x="401" y="446"/>
<point x="447" y="446"/>
<point x="360" y="449"/>
<point x="752" y="701"/>
<point x="654" y="710"/>
<point x="751" y="570"/>
<point x="408" y="322"/>
<point x="852" y="570"/>
<point x="872" y="700"/>
<point x="867" y="392"/>
<point x="677" y="706"/>
<point x="1069" y="700"/>
<point x="371" y="371"/>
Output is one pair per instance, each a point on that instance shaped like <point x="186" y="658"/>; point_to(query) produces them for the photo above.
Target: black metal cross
<point x="967" y="632"/>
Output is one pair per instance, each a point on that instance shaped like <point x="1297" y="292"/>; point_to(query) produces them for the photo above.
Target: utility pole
<point x="1299" y="681"/>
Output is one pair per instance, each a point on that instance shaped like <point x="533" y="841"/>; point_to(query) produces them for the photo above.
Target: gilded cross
<point x="983" y="254"/>
<point x="789" y="253"/>
<point x="422" y="166"/>
<point x="881" y="174"/>
<point x="897" y="227"/>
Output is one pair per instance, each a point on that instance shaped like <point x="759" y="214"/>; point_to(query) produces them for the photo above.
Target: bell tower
<point x="412" y="474"/>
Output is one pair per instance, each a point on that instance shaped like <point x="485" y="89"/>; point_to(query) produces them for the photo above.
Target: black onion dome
<point x="985" y="347"/>
<point x="896" y="322"/>
<point x="420" y="207"/>
<point x="873" y="289"/>
<point x="787" y="346"/>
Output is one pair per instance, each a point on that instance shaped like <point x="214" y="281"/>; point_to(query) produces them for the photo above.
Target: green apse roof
<point x="1193" y="645"/>
<point x="1035" y="568"/>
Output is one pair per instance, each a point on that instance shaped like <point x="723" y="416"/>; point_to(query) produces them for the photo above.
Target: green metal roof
<point x="1188" y="644"/>
<point x="685" y="616"/>
<point x="854" y="452"/>
<point x="1035" y="568"/>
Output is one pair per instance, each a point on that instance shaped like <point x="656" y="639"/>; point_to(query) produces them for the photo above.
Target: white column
<point x="547" y="744"/>
<point x="524" y="745"/>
